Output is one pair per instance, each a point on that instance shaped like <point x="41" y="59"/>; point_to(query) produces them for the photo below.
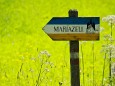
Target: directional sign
<point x="71" y="28"/>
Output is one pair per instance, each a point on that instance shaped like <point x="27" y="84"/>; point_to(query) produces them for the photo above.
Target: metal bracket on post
<point x="74" y="56"/>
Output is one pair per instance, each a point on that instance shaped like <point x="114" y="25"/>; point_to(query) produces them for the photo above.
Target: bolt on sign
<point x="73" y="28"/>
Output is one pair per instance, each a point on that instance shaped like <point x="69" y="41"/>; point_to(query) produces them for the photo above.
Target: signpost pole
<point x="74" y="56"/>
<point x="73" y="28"/>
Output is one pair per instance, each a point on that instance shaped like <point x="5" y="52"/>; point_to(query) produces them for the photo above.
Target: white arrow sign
<point x="69" y="28"/>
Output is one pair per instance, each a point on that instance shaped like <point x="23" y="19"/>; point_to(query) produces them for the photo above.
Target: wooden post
<point x="74" y="56"/>
<point x="62" y="29"/>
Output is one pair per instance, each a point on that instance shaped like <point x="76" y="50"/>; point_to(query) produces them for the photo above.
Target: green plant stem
<point x="110" y="69"/>
<point x="82" y="65"/>
<point x="111" y="29"/>
<point x="37" y="81"/>
<point x="103" y="70"/>
<point x="110" y="59"/>
<point x="93" y="63"/>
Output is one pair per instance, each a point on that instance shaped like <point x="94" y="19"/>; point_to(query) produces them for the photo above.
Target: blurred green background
<point x="22" y="40"/>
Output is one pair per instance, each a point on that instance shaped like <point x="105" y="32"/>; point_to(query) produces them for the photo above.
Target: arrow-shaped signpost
<point x="73" y="28"/>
